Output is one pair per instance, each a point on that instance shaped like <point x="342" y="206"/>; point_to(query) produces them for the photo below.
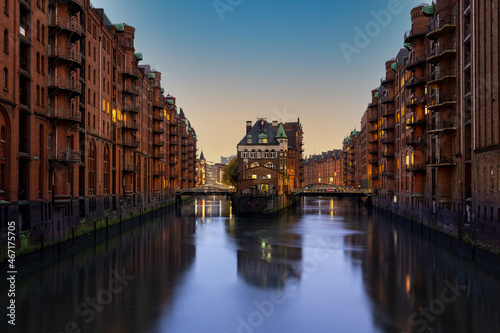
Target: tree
<point x="230" y="175"/>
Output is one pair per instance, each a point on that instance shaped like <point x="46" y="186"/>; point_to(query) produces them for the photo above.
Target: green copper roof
<point x="428" y="10"/>
<point x="119" y="27"/>
<point x="138" y="55"/>
<point x="281" y="133"/>
<point x="170" y="102"/>
<point x="249" y="136"/>
<point x="162" y="90"/>
<point x="152" y="75"/>
<point x="183" y="120"/>
<point x="408" y="46"/>
<point x="394" y="66"/>
<point x="377" y="95"/>
<point x="262" y="136"/>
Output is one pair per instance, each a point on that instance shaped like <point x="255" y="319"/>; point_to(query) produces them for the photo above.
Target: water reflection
<point x="114" y="287"/>
<point x="338" y="268"/>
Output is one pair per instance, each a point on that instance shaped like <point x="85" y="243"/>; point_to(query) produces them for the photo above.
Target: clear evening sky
<point x="230" y="61"/>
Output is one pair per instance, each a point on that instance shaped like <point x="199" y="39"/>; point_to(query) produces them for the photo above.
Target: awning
<point x="428" y="10"/>
<point x="119" y="27"/>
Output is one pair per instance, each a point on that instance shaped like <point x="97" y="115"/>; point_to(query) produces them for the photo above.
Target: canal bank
<point x="33" y="253"/>
<point x="445" y="232"/>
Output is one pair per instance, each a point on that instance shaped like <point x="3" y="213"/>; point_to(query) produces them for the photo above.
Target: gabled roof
<point x="259" y="131"/>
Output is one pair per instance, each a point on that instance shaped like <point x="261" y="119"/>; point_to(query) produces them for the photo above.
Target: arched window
<point x="41" y="140"/>
<point x="43" y="34"/>
<point x="6" y="6"/>
<point x="42" y="64"/>
<point x="5" y="78"/>
<point x="106" y="169"/>
<point x="38" y="30"/>
<point x="3" y="156"/>
<point x="92" y="168"/>
<point x="38" y="62"/>
<point x="42" y="96"/>
<point x="37" y="94"/>
<point x="6" y="41"/>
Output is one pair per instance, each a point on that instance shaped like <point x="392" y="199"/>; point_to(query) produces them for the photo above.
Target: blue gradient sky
<point x="276" y="59"/>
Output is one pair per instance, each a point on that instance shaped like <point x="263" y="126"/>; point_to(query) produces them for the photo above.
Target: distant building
<point x="262" y="159"/>
<point x="201" y="170"/>
<point x="226" y="160"/>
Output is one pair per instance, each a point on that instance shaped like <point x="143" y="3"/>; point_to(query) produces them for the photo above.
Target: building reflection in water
<point x="423" y="286"/>
<point x="153" y="255"/>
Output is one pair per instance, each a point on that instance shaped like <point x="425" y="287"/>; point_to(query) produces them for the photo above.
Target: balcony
<point x="130" y="107"/>
<point x="131" y="143"/>
<point x="158" y="143"/>
<point x="131" y="89"/>
<point x="173" y="162"/>
<point x="373" y="140"/>
<point x="66" y="156"/>
<point x="388" y="139"/>
<point x="441" y="161"/>
<point x="442" y="126"/>
<point x="374" y="176"/>
<point x="130" y="71"/>
<point x="64" y="113"/>
<point x="158" y="173"/>
<point x="387" y="111"/>
<point x="387" y="126"/>
<point x="387" y="98"/>
<point x="72" y="85"/>
<point x="72" y="26"/>
<point x="415" y="81"/>
<point x="444" y="75"/>
<point x="446" y="49"/>
<point x="158" y="129"/>
<point x="415" y="120"/>
<point x="373" y="151"/>
<point x="415" y="62"/>
<point x="158" y="116"/>
<point x="385" y="80"/>
<point x="415" y="167"/>
<point x="415" y="32"/>
<point x="76" y="5"/>
<point x="373" y="129"/>
<point x="158" y="105"/>
<point x="373" y="104"/>
<point x="388" y="153"/>
<point x="158" y="155"/>
<point x="71" y="56"/>
<point x="437" y="101"/>
<point x="373" y="160"/>
<point x="388" y="173"/>
<point x="130" y="125"/>
<point x="413" y="101"/>
<point x="130" y="168"/>
<point x="445" y="24"/>
<point x="373" y="118"/>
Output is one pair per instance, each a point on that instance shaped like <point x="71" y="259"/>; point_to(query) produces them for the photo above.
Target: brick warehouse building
<point x="85" y="131"/>
<point x="433" y="125"/>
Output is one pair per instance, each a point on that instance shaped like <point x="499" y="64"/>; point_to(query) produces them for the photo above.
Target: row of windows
<point x="488" y="179"/>
<point x="268" y="176"/>
<point x="259" y="154"/>
<point x="269" y="165"/>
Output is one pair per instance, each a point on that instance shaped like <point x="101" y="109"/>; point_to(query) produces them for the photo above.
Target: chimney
<point x="275" y="124"/>
<point x="249" y="126"/>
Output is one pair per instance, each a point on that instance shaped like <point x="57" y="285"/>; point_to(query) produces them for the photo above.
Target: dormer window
<point x="249" y="139"/>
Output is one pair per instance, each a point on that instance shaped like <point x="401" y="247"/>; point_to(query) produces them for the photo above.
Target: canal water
<point x="329" y="266"/>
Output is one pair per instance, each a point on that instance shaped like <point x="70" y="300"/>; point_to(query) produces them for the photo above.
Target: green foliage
<point x="230" y="175"/>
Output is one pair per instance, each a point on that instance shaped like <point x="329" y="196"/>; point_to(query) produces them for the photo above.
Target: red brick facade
<point x="85" y="130"/>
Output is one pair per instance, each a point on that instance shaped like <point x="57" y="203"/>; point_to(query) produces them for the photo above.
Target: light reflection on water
<point x="329" y="266"/>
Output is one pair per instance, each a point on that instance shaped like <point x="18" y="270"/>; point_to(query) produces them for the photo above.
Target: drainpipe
<point x="100" y="82"/>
